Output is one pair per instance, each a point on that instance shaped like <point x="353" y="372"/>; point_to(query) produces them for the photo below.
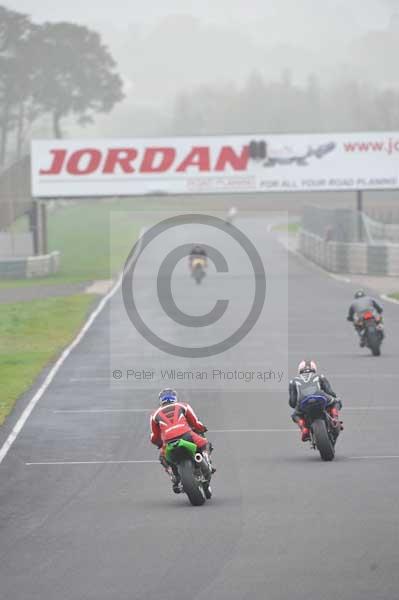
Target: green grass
<point x="394" y="295"/>
<point x="31" y="335"/>
<point x="81" y="232"/>
<point x="288" y="227"/>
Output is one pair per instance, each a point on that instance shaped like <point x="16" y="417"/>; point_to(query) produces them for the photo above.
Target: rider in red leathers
<point x="173" y="420"/>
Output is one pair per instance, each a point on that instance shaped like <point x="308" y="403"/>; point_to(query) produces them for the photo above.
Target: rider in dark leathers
<point x="306" y="383"/>
<point x="361" y="304"/>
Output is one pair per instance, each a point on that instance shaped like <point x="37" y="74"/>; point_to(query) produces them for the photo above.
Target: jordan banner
<point x="215" y="164"/>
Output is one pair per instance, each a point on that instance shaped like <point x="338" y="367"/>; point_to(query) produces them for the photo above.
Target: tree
<point x="15" y="30"/>
<point x="75" y="73"/>
<point x="59" y="68"/>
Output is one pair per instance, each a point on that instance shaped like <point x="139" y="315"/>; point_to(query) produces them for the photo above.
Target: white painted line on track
<point x="54" y="370"/>
<point x="144" y="462"/>
<point x="363" y="375"/>
<point x="370" y="408"/>
<point x="388" y="299"/>
<point x="150" y="410"/>
<point x="315" y="334"/>
<point x="252" y="430"/>
<point x="90" y="379"/>
<point x="103" y="410"/>
<point x="372" y="457"/>
<point x="340" y="278"/>
<point x="91" y="462"/>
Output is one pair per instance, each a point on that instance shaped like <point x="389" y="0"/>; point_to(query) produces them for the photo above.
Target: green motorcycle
<point x="194" y="469"/>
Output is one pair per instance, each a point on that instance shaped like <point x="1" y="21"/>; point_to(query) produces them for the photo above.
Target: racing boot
<point x="173" y="473"/>
<point x="305" y="437"/>
<point x="337" y="424"/>
<point x="209" y="459"/>
<point x="177" y="485"/>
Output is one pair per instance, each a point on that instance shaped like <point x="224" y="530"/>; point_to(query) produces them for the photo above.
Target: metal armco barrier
<point x="355" y="258"/>
<point x="381" y="232"/>
<point x="27" y="268"/>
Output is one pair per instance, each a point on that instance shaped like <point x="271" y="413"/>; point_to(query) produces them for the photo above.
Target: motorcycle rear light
<point x="368" y="315"/>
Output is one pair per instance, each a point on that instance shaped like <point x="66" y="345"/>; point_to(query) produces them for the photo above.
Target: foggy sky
<point x="164" y="47"/>
<point x="118" y="13"/>
<point x="315" y="32"/>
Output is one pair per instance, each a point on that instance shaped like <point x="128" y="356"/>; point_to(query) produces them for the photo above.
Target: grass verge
<point x="288" y="227"/>
<point x="394" y="295"/>
<point x="31" y="335"/>
<point x="81" y="231"/>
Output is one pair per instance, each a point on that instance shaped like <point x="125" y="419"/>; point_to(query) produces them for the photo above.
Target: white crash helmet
<point x="307" y="366"/>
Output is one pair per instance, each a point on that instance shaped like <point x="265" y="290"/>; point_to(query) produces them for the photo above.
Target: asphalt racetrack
<point x="86" y="513"/>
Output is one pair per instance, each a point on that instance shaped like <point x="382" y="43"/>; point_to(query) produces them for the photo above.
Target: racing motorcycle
<point x="194" y="469"/>
<point x="369" y="323"/>
<point x="323" y="424"/>
<point x="198" y="266"/>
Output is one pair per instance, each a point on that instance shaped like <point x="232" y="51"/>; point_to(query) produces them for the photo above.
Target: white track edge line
<point x="134" y="462"/>
<point x="252" y="430"/>
<point x="103" y="410"/>
<point x="376" y="457"/>
<point x="91" y="462"/>
<point x="388" y="299"/>
<point x="54" y="370"/>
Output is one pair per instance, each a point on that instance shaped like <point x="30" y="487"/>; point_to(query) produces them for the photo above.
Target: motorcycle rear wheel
<point x="198" y="276"/>
<point x="374" y="343"/>
<point x="191" y="486"/>
<point x="322" y="439"/>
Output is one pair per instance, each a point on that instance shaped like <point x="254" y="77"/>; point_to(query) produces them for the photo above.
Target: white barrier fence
<point x="381" y="232"/>
<point x="27" y="268"/>
<point x="355" y="258"/>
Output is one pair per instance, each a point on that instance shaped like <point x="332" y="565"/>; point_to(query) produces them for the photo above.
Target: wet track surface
<point x="282" y="524"/>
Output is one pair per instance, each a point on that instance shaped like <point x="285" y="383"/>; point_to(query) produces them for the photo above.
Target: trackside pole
<point x="359" y="206"/>
<point x="38" y="226"/>
<point x="43" y="222"/>
<point x="34" y="227"/>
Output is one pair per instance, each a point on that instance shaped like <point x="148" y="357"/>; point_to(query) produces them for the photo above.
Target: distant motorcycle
<point x="324" y="429"/>
<point x="198" y="266"/>
<point x="194" y="469"/>
<point x="370" y="325"/>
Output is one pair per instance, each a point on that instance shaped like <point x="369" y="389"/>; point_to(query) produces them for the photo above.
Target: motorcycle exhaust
<point x="203" y="463"/>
